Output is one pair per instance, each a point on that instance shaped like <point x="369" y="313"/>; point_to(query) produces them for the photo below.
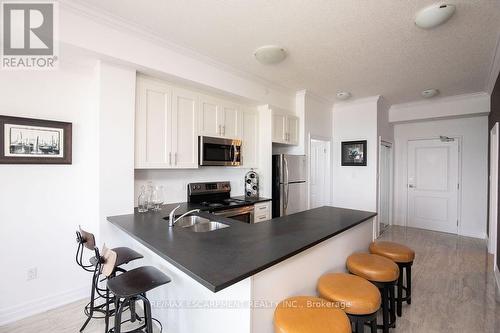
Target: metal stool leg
<point x="373" y="326"/>
<point x="147" y="315"/>
<point x="118" y="314"/>
<point x="106" y="317"/>
<point x="408" y="284"/>
<point x="400" y="293"/>
<point x="392" y="305"/>
<point x="91" y="304"/>
<point x="385" y="309"/>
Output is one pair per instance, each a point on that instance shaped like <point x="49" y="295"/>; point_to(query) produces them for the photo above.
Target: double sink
<point x="197" y="223"/>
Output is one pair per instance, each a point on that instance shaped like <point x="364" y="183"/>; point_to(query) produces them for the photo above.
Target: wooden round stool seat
<point x="396" y="252"/>
<point x="373" y="267"/>
<point x="304" y="314"/>
<point x="359" y="295"/>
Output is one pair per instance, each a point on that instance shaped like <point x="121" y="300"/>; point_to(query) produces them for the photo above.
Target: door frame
<point x="328" y="171"/>
<point x="391" y="185"/>
<point x="493" y="193"/>
<point x="459" y="140"/>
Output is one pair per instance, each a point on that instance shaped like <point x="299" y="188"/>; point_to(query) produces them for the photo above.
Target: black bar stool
<point x="384" y="274"/>
<point x="130" y="287"/>
<point x="403" y="256"/>
<point x="86" y="240"/>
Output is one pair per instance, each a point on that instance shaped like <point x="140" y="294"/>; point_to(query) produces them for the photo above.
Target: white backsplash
<point x="175" y="181"/>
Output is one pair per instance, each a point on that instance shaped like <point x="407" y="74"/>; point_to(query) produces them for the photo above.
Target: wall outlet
<point x="32" y="274"/>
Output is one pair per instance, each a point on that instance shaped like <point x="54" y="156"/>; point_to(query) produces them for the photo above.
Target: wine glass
<point x="157" y="197"/>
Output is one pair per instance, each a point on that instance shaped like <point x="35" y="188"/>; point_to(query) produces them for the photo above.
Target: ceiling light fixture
<point x="270" y="54"/>
<point x="433" y="16"/>
<point x="343" y="95"/>
<point x="429" y="93"/>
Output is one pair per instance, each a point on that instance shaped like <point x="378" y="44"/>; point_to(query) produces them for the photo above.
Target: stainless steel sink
<point x="207" y="226"/>
<point x="190" y="220"/>
<point x="199" y="224"/>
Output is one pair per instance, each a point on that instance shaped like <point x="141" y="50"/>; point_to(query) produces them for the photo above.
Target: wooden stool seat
<point x="373" y="267"/>
<point x="396" y="252"/>
<point x="304" y="314"/>
<point x="359" y="295"/>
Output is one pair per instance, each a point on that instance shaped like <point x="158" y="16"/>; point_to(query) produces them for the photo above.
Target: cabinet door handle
<point x="175" y="158"/>
<point x="220" y="129"/>
<point x="224" y="130"/>
<point x="170" y="158"/>
<point x="263" y="207"/>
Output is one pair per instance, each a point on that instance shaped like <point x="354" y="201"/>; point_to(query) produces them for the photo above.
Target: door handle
<point x="411" y="186"/>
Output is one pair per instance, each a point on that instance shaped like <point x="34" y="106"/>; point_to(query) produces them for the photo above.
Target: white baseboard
<point x="9" y="315"/>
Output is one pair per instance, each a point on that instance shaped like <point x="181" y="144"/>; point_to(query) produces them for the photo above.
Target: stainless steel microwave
<point x="220" y="152"/>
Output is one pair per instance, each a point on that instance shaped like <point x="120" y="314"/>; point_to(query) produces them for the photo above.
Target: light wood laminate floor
<point x="453" y="290"/>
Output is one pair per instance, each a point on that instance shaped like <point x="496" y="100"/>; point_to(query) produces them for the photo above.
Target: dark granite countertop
<point x="226" y="256"/>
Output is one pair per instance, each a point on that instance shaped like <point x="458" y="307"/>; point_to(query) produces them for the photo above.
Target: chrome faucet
<point x="171" y="217"/>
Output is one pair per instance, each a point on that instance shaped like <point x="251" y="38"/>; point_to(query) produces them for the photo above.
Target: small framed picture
<point x="34" y="141"/>
<point x="354" y="153"/>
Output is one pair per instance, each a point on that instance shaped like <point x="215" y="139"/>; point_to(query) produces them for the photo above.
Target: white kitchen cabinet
<point x="184" y="129"/>
<point x="219" y="118"/>
<point x="262" y="211"/>
<point x="293" y="130"/>
<point x="165" y="127"/>
<point x="250" y="139"/>
<point x="285" y="129"/>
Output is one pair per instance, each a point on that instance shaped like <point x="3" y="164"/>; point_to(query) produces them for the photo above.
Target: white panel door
<point x="433" y="171"/>
<point x="211" y="117"/>
<point x="231" y="125"/>
<point x="152" y="125"/>
<point x="184" y="128"/>
<point x="319" y="189"/>
<point x="293" y="130"/>
<point x="385" y="181"/>
<point x="279" y="128"/>
<point x="250" y="139"/>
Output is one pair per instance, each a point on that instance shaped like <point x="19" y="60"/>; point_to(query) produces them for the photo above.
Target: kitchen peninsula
<point x="217" y="275"/>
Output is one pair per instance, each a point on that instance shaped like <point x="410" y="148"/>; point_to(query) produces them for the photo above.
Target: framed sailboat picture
<point x="34" y="141"/>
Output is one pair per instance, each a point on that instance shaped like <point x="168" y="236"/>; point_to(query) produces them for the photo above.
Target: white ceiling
<point x="367" y="47"/>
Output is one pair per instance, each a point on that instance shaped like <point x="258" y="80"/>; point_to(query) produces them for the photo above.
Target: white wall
<point x="41" y="206"/>
<point x="355" y="187"/>
<point x="474" y="133"/>
<point x="116" y="145"/>
<point x="445" y="107"/>
<point x="175" y="181"/>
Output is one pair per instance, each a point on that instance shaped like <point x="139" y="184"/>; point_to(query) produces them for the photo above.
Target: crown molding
<point x="319" y="98"/>
<point x="494" y="69"/>
<point x="82" y="8"/>
<point x="438" y="100"/>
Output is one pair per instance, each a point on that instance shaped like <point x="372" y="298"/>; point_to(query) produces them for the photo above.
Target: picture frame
<point x="35" y="141"/>
<point x="354" y="153"/>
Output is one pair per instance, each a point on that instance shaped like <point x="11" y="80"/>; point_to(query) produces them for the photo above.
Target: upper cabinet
<point x="285" y="129"/>
<point x="165" y="127"/>
<point x="250" y="139"/>
<point x="169" y="119"/>
<point x="219" y="118"/>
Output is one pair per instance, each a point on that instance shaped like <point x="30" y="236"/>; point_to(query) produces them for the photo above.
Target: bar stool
<point x="307" y="314"/>
<point x="130" y="287"/>
<point x="403" y="256"/>
<point x="359" y="298"/>
<point x="86" y="240"/>
<point x="383" y="273"/>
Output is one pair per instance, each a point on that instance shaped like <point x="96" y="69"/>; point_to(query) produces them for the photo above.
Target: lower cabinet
<point x="262" y="211"/>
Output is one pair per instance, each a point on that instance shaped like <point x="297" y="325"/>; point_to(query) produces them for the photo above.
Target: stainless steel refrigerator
<point x="289" y="184"/>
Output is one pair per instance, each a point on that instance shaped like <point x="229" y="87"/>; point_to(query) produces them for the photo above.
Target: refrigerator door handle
<point x="287" y="189"/>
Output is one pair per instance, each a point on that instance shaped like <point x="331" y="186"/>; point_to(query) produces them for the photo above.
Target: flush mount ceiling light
<point x="343" y="95"/>
<point x="429" y="93"/>
<point x="433" y="16"/>
<point x="270" y="54"/>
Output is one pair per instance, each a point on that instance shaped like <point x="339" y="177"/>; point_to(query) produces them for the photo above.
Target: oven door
<point x="243" y="214"/>
<point x="217" y="151"/>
